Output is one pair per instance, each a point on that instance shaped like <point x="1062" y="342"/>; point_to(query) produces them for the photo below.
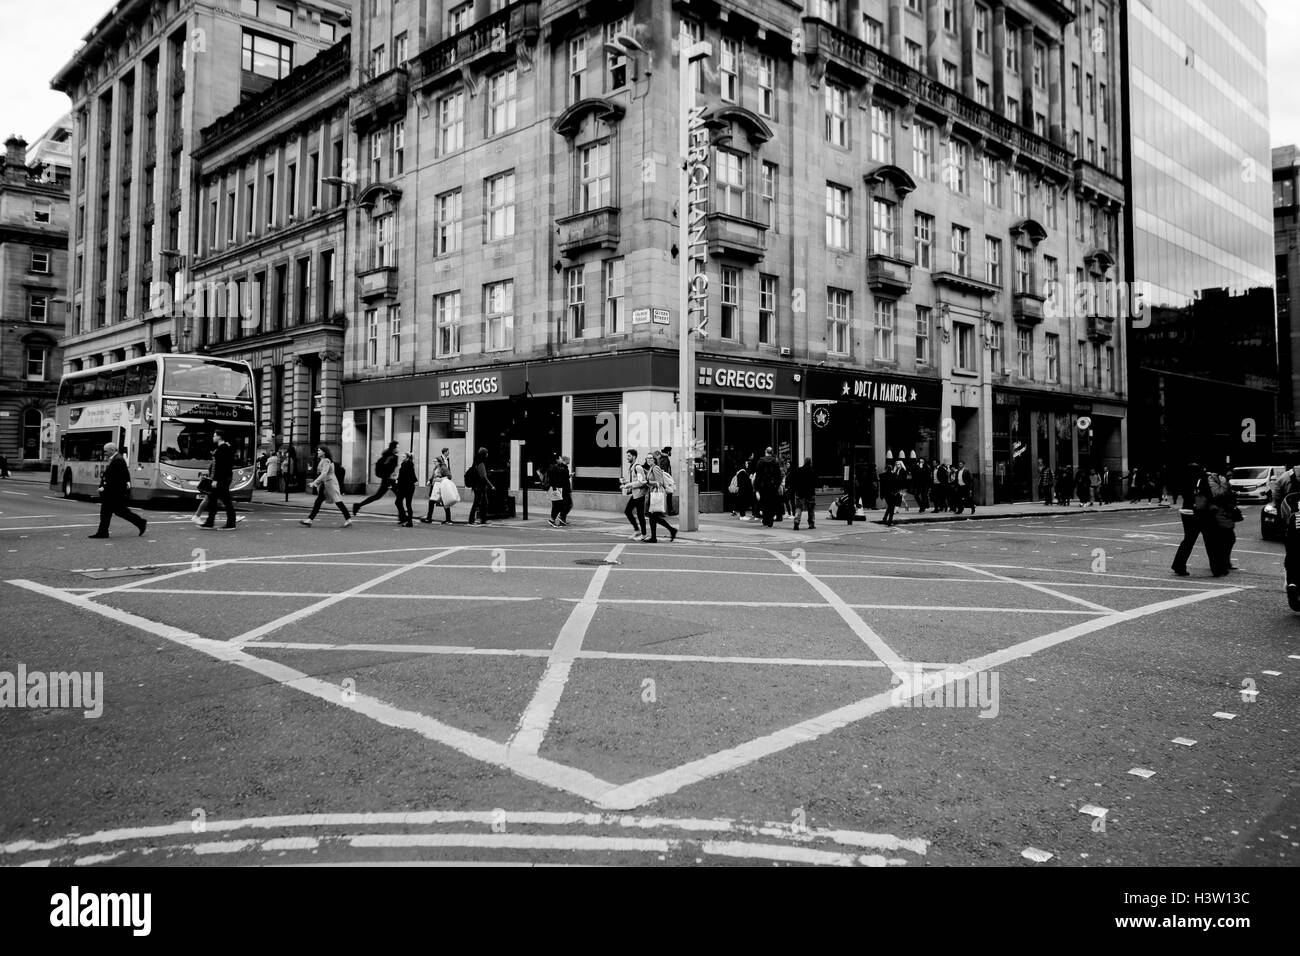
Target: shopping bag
<point x="557" y="494"/>
<point x="658" y="502"/>
<point x="669" y="484"/>
<point x="447" y="493"/>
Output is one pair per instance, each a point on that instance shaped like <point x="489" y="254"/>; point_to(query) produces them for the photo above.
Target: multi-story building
<point x="271" y="247"/>
<point x="911" y="203"/>
<point x="33" y="284"/>
<point x="149" y="77"/>
<point x="1203" y="370"/>
<point x="1286" y="251"/>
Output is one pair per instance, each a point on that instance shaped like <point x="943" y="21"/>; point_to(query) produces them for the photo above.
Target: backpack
<point x="340" y="473"/>
<point x="1219" y="488"/>
<point x="471" y="477"/>
<point x="384" y="466"/>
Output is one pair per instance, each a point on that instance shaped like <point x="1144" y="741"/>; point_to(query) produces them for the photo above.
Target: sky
<point x="38" y="36"/>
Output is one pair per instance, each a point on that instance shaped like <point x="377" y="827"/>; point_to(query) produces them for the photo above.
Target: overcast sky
<point x="38" y="36"/>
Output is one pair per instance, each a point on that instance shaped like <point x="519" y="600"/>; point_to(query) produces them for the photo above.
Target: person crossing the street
<point x="437" y="490"/>
<point x="802" y="482"/>
<point x="326" y="486"/>
<point x="385" y="466"/>
<point x="115" y="493"/>
<point x="634" y="486"/>
<point x="767" y="484"/>
<point x="221" y="474"/>
<point x="658" y="483"/>
<point x="405" y="490"/>
<point x="1289" y="484"/>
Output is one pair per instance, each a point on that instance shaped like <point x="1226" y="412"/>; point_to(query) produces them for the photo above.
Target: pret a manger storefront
<point x="593" y="409"/>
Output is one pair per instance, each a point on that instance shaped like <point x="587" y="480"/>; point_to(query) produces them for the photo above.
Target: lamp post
<point x="692" y="143"/>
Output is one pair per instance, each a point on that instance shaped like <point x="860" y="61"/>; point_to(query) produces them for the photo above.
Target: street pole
<point x="687" y="123"/>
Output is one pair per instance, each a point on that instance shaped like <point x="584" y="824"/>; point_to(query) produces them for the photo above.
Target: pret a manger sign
<point x="697" y="173"/>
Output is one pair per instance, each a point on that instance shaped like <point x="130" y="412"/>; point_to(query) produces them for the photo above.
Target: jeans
<point x="384" y="485"/>
<point x="1192" y="527"/>
<point x="480" y="506"/>
<point x="806" y="504"/>
<point x="657" y="518"/>
<point x="220" y="494"/>
<point x="635" y="514"/>
<point x="404" y="497"/>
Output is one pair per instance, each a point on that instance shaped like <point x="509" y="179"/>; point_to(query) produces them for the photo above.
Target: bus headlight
<point x="241" y="477"/>
<point x="174" y="480"/>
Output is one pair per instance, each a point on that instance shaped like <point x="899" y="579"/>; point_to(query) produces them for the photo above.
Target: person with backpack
<point x="742" y="493"/>
<point x="1221" y="515"/>
<point x="385" y="466"/>
<point x="658" y="482"/>
<point x="326" y="486"/>
<point x="767" y="484"/>
<point x="634" y="486"/>
<point x="406" y="482"/>
<point x="557" y="481"/>
<point x="476" y="479"/>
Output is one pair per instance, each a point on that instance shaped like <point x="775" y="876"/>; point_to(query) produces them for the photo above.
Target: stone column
<point x="1056" y="93"/>
<point x="934" y="38"/>
<point x="997" y="23"/>
<point x="331" y="386"/>
<point x="966" y="30"/>
<point x="894" y="30"/>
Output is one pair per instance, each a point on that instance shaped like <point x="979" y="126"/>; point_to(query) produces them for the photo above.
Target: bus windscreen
<point x="190" y="444"/>
<point x="203" y="378"/>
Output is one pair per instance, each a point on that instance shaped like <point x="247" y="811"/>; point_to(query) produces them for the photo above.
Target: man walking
<point x="939" y="494"/>
<point x="802" y="485"/>
<point x="221" y="475"/>
<point x="1289" y="484"/>
<point x="384" y="469"/>
<point x="1193" y="517"/>
<point x="767" y="481"/>
<point x="666" y="465"/>
<point x="115" y="492"/>
<point x="965" y="489"/>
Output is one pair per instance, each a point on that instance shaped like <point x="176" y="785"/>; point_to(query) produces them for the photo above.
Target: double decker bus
<point x="160" y="411"/>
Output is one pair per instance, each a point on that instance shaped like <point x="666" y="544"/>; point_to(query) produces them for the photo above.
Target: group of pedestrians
<point x="1064" y="485"/>
<point x="1209" y="511"/>
<point x="647" y="483"/>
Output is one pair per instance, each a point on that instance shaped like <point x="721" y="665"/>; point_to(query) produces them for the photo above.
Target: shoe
<point x="356" y="510"/>
<point x="652" y="540"/>
<point x="305" y="522"/>
<point x="444" y="522"/>
<point x="672" y="536"/>
<point x="428" y="521"/>
<point x="226" y="527"/>
<point x="552" y="522"/>
<point x="638" y="537"/>
<point x="208" y="527"/>
<point x="811" y="526"/>
<point x="144" y="523"/>
<point x="96" y="536"/>
<point x="347" y="523"/>
<point x="1183" y="572"/>
<point x="564" y="521"/>
<point x="796" y="526"/>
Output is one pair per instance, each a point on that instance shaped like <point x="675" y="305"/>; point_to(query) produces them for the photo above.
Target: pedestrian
<point x="767" y="485"/>
<point x="115" y="493"/>
<point x="4" y="466"/>
<point x="289" y="470"/>
<point x="1083" y="486"/>
<point x="921" y="484"/>
<point x="1064" y="485"/>
<point x="939" y="487"/>
<point x="666" y="461"/>
<point x="888" y="483"/>
<point x="634" y="486"/>
<point x="1046" y="481"/>
<point x="406" y="482"/>
<point x="385" y="467"/>
<point x="755" y="506"/>
<point x="273" y="464"/>
<point x="567" y="501"/>
<point x="902" y="483"/>
<point x="1220" y="519"/>
<point x="220" y="474"/>
<point x="326" y="486"/>
<point x="1289" y="484"/>
<point x="476" y="477"/>
<point x="259" y="468"/>
<point x="658" y="482"/>
<point x="802" y="484"/>
<point x="557" y="477"/>
<point x="743" y="499"/>
<point x="439" y="479"/>
<point x="1097" y="483"/>
<point x="869" y="489"/>
<point x="965" y="483"/>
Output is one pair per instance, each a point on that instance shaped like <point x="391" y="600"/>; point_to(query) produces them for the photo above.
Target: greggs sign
<point x="471" y="386"/>
<point x="749" y="380"/>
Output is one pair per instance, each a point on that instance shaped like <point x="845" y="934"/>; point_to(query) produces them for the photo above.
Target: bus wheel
<point x="67" y="484"/>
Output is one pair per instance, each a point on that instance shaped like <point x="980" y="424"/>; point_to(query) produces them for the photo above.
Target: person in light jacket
<point x="634" y="482"/>
<point x="656" y="482"/>
<point x="326" y="486"/>
<point x="441" y="469"/>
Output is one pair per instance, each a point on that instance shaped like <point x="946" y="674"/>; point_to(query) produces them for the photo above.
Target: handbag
<point x="658" y="502"/>
<point x="734" y="487"/>
<point x="669" y="484"/>
<point x="205" y="485"/>
<point x="557" y="494"/>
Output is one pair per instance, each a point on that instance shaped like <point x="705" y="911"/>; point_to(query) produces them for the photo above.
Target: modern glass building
<point x="1203" y="365"/>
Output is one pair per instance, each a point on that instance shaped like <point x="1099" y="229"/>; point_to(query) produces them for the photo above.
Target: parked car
<point x="1254" y="483"/>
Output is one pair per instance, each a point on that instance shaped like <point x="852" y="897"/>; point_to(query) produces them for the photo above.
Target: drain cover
<point x="99" y="573"/>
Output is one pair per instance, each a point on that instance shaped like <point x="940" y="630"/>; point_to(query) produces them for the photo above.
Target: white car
<point x="1254" y="483"/>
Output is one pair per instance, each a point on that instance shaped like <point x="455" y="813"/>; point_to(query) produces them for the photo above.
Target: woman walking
<point x="1046" y="481"/>
<point x="660" y="483"/>
<point x="1096" y="485"/>
<point x="442" y="489"/>
<point x="887" y="494"/>
<point x="481" y="487"/>
<point x="557" y="480"/>
<point x="634" y="485"/>
<point x="273" y="472"/>
<point x="326" y="486"/>
<point x="406" y="482"/>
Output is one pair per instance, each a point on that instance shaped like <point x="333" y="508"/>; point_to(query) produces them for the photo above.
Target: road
<point x="517" y="693"/>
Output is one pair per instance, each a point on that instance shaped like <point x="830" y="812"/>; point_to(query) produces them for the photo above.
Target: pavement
<point x="1033" y="691"/>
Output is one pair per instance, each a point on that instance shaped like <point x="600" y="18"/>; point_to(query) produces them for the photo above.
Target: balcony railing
<point x="890" y="272"/>
<point x="1095" y="180"/>
<point x="853" y="54"/>
<point x="734" y="236"/>
<point x="491" y="35"/>
<point x="1101" y="328"/>
<point x="383" y="96"/>
<point x="380" y="282"/>
<point x="595" y="229"/>
<point x="1027" y="308"/>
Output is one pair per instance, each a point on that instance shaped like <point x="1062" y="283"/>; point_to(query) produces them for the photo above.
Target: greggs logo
<point x="736" y="378"/>
<point x="460" y="387"/>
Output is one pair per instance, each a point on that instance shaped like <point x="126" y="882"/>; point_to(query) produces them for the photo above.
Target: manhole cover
<point x="119" y="572"/>
<point x="593" y="562"/>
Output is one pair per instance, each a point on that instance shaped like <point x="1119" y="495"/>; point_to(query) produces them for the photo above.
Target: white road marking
<point x="1184" y="741"/>
<point x="1035" y="854"/>
<point x="1224" y="715"/>
<point x="536" y="718"/>
<point x="410" y="649"/>
<point x="640" y="792"/>
<point x="510" y="841"/>
<point x="1039" y="588"/>
<point x="1142" y="772"/>
<point x="21" y="494"/>
<point x="814" y="605"/>
<point x="324" y="594"/>
<point x="227" y="846"/>
<point x="1093" y="811"/>
<point x="294" y="616"/>
<point x="1089" y="537"/>
<point x="291" y="843"/>
<point x="25" y="517"/>
<point x="97" y="858"/>
<point x="88" y="524"/>
<point x="1272" y="673"/>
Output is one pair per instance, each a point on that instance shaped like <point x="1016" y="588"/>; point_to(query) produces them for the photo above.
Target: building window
<point x="266" y="56"/>
<point x="993" y="260"/>
<point x="1013" y="57"/>
<point x="1082" y="352"/>
<point x="963" y="346"/>
<point x="1052" y="344"/>
<point x="837" y="115"/>
<point x="882" y="227"/>
<point x="448" y="222"/>
<point x="378" y="61"/>
<point x="958" y="164"/>
<point x="1024" y="271"/>
<point x="886" y="311"/>
<point x="995" y="347"/>
<point x="1090" y="89"/>
<point x="729" y="67"/>
<point x="1020" y="192"/>
<point x="983" y="94"/>
<point x="1040" y="124"/>
<point x="451" y="122"/>
<point x="397" y="136"/>
<point x="270" y="199"/>
<point x="729" y="324"/>
<point x="766" y="309"/>
<point x="40" y="262"/>
<point x="36" y="356"/>
<point x="38" y="307"/>
<point x="923" y="323"/>
<point x="302" y="290"/>
<point x="730" y="174"/>
<point x="446" y="313"/>
<point x="382" y="234"/>
<point x="291" y="194"/>
<point x="1051" y="276"/>
<point x="326" y="273"/>
<point x="982" y="29"/>
<point x="1110" y="368"/>
<point x="394" y="334"/>
<point x="992" y="181"/>
<point x="1025" y="352"/>
<point x="502" y="96"/>
<point x="616" y="63"/>
<point x="837" y="216"/>
<point x="500" y="203"/>
<point x="950" y="74"/>
<point x="399" y="49"/>
<point x="1092" y="151"/>
<point x="839" y="313"/>
<point x="882" y="134"/>
<point x="959" y="246"/>
<point x="498" y="316"/>
<point x="1051" y="206"/>
<point x="829" y="10"/>
<point x="923" y="240"/>
<point x="1040" y="66"/>
<point x="597" y="181"/>
<point x="250" y="193"/>
<point x="766" y="85"/>
<point x="611" y="274"/>
<point x="1105" y="103"/>
<point x="1078" y="219"/>
<point x="1096" y="365"/>
<point x="41" y="212"/>
<point x="922" y="149"/>
<point x="328" y="32"/>
<point x="913" y="53"/>
<point x="695" y="34"/>
<point x="769" y="195"/>
<point x="950" y="16"/>
<point x="874" y="32"/>
<point x="575" y="313"/>
<point x="1013" y="109"/>
<point x="577" y="67"/>
<point x="372" y="337"/>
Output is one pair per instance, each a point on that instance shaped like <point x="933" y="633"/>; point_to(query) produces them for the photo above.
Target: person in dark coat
<point x="666" y="464"/>
<point x="1064" y="485"/>
<point x="888" y="494"/>
<point x="870" y="488"/>
<point x="801" y="482"/>
<point x="964" y="483"/>
<point x="557" y="480"/>
<point x="767" y="483"/>
<point x="385" y="468"/>
<point x="482" y="487"/>
<point x="940" y="485"/>
<point x="221" y="473"/>
<point x="115" y="493"/>
<point x="406" y="482"/>
<point x="920" y="475"/>
<point x="1083" y="486"/>
<point x="1193" y="518"/>
<point x="744" y="497"/>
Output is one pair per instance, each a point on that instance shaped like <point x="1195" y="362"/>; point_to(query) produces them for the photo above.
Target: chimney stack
<point x="16" y="151"/>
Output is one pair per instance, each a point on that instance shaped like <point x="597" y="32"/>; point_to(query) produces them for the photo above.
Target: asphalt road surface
<point x="966" y="693"/>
